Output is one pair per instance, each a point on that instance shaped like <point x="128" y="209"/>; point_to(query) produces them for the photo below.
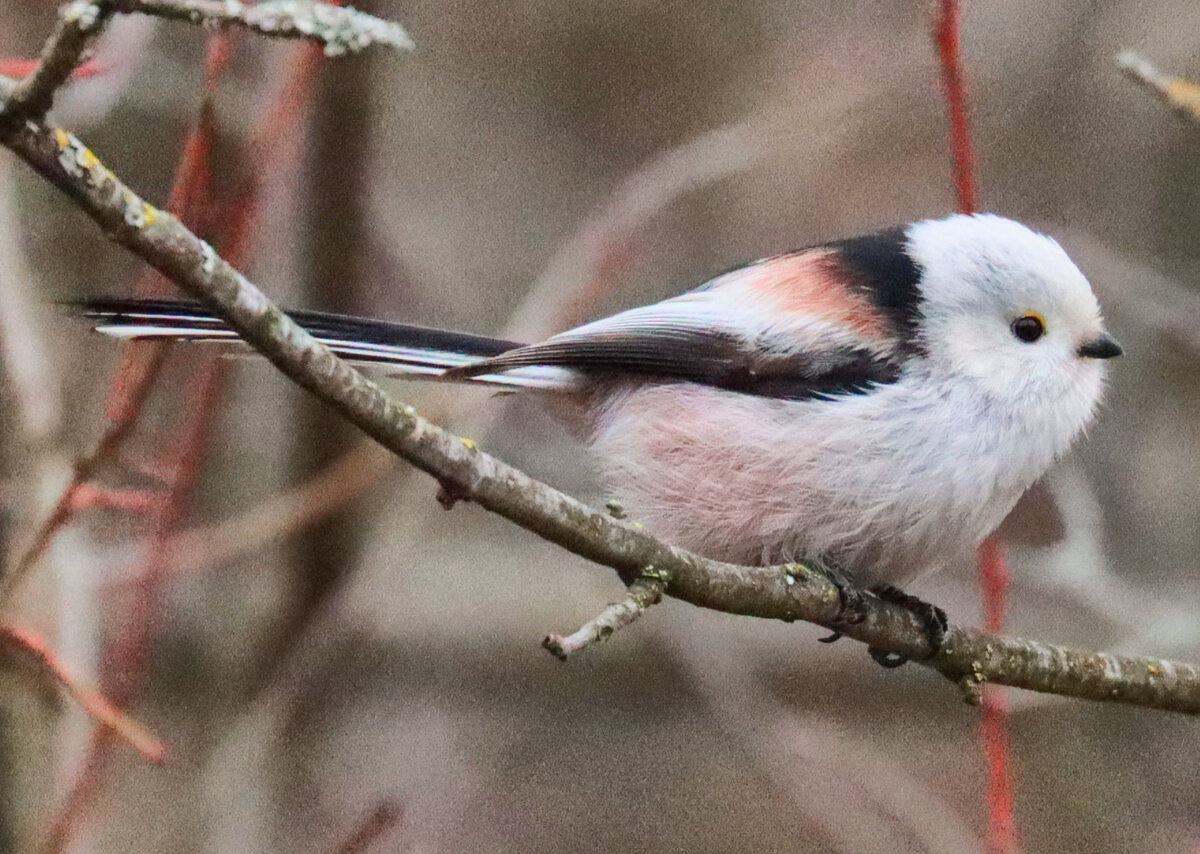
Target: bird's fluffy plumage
<point x="865" y="403"/>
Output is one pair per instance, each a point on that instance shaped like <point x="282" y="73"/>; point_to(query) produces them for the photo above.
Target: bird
<point x="874" y="405"/>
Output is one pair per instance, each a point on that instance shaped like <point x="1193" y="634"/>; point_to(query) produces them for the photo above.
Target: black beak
<point x="1103" y="346"/>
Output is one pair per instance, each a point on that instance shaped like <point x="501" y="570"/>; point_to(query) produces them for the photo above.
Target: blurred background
<point x="335" y="663"/>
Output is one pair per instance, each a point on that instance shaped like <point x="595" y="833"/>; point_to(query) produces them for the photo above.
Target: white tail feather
<point x="404" y="351"/>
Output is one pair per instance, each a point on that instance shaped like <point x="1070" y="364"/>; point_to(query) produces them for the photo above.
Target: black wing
<point x="682" y="340"/>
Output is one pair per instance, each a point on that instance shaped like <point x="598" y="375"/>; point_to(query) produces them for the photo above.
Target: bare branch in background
<point x="578" y="266"/>
<point x="35" y="383"/>
<point x="384" y="818"/>
<point x="340" y="29"/>
<point x="823" y="774"/>
<point x="947" y="36"/>
<point x="126" y="658"/>
<point x="283" y="514"/>
<point x="1181" y="95"/>
<point x="131" y="388"/>
<point x="786" y="593"/>
<point x="33" y="649"/>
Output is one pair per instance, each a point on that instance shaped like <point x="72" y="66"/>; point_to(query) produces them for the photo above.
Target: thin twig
<point x="283" y="514"/>
<point x="646" y="590"/>
<point x="132" y="388"/>
<point x="340" y="30"/>
<point x="1181" y="95"/>
<point x="386" y="816"/>
<point x="126" y="658"/>
<point x="786" y="593"/>
<point x="578" y="268"/>
<point x="33" y="648"/>
<point x="79" y="22"/>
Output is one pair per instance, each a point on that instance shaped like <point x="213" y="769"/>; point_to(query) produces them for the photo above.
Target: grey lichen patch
<point x="82" y="13"/>
<point x="653" y="573"/>
<point x="78" y="161"/>
<point x="250" y="300"/>
<point x="136" y="211"/>
<point x="73" y="155"/>
<point x="615" y="508"/>
<point x="971" y="685"/>
<point x="208" y="258"/>
<point x="340" y="29"/>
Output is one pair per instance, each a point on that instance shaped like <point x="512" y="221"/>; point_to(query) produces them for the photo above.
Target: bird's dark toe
<point x="933" y="618"/>
<point x="852" y="608"/>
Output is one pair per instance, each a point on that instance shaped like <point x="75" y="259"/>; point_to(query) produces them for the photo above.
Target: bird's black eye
<point x="1029" y="327"/>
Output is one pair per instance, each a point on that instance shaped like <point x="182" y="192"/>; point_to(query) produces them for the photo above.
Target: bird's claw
<point x="852" y="608"/>
<point x="932" y="617"/>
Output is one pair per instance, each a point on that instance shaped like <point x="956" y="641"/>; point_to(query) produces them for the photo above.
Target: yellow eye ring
<point x="1029" y="327"/>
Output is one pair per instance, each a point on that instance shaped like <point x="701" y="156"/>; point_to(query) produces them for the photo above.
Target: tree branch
<point x="788" y="593"/>
<point x="340" y="29"/>
<point x="79" y="22"/>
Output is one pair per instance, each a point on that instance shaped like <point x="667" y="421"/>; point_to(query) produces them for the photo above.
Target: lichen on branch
<point x="341" y="29"/>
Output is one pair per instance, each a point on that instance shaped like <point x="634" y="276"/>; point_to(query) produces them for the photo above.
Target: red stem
<point x="125" y="660"/>
<point x="993" y="721"/>
<point x="949" y="47"/>
<point x="993" y="567"/>
<point x="34" y="647"/>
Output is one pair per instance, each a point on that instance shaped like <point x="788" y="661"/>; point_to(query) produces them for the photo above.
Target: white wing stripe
<point x="401" y="361"/>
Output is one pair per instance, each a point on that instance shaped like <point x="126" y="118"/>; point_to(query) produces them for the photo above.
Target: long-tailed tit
<point x="876" y="404"/>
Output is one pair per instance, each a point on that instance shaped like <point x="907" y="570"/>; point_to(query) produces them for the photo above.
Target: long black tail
<point x="407" y="350"/>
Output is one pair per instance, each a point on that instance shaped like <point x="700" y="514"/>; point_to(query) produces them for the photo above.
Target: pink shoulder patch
<point x="812" y="284"/>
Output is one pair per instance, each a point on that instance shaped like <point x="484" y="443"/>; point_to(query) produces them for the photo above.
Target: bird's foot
<point x="932" y="617"/>
<point x="852" y="609"/>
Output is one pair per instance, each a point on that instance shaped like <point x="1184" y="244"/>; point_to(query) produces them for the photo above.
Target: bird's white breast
<point x="888" y="484"/>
